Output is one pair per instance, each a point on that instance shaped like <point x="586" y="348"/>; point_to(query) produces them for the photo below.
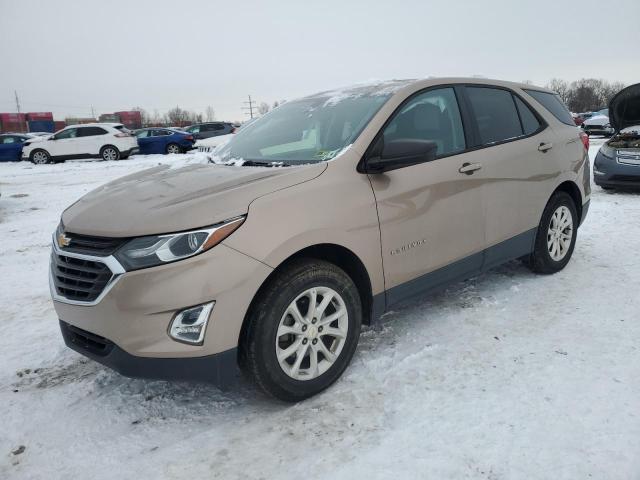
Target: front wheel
<point x="302" y="331"/>
<point x="40" y="157"/>
<point x="110" y="153"/>
<point x="556" y="237"/>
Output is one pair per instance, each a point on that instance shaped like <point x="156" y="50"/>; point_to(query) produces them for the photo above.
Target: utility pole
<point x="17" y="101"/>
<point x="248" y="110"/>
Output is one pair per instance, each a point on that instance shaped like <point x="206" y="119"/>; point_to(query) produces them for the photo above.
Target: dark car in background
<point x="210" y="129"/>
<point x="11" y="146"/>
<point x="163" y="140"/>
<point x="617" y="164"/>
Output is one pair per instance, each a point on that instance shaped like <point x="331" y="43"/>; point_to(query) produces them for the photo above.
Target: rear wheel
<point x="40" y="157"/>
<point x="109" y="152"/>
<point x="173" y="148"/>
<point x="302" y="331"/>
<point x="556" y="237"/>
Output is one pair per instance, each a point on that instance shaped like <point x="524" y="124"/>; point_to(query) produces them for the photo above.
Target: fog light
<point x="189" y="324"/>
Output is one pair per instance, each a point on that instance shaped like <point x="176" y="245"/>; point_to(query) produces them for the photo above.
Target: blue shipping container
<point x="41" y="126"/>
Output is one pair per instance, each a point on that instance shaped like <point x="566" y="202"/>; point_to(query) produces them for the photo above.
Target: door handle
<point x="469" y="168"/>
<point x="543" y="147"/>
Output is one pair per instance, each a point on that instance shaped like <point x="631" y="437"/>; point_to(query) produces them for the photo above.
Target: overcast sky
<point x="66" y="56"/>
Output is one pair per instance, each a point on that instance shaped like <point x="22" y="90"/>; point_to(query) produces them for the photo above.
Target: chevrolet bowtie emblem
<point x="63" y="240"/>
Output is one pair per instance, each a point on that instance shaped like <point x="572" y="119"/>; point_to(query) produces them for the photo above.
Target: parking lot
<point x="506" y="375"/>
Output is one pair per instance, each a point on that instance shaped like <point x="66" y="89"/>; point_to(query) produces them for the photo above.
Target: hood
<point x="164" y="199"/>
<point x="38" y="138"/>
<point x="597" y="120"/>
<point x="624" y="108"/>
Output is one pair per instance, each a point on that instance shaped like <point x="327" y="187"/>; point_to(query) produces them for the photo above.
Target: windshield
<point x="312" y="129"/>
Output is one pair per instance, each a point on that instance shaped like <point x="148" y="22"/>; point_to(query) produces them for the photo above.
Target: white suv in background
<point x="109" y="141"/>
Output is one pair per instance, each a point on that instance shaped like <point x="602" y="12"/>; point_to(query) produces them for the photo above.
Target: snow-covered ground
<point x="506" y="376"/>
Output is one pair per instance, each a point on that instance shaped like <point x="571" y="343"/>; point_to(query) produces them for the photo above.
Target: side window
<point x="163" y="133"/>
<point x="68" y="133"/>
<point x="495" y="113"/>
<point x="552" y="102"/>
<point x="529" y="121"/>
<point x="90" y="131"/>
<point x="143" y="133"/>
<point x="8" y="140"/>
<point x="432" y="115"/>
<point x="218" y="126"/>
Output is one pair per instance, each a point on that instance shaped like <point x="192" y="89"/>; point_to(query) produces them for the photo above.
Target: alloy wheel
<point x="312" y="333"/>
<point x="173" y="149"/>
<point x="40" y="158"/>
<point x="560" y="233"/>
<point x="110" y="154"/>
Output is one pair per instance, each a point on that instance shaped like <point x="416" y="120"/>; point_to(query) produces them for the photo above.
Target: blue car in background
<point x="163" y="140"/>
<point x="11" y="146"/>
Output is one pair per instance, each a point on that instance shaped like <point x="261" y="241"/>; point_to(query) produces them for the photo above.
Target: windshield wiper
<point x="257" y="163"/>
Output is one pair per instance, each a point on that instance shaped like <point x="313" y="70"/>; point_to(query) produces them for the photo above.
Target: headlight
<point x="608" y="151"/>
<point x="155" y="250"/>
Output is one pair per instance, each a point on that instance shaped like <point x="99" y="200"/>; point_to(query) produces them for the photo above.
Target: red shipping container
<point x="14" y="127"/>
<point x="59" y="125"/>
<point x="130" y="115"/>
<point x="36" y="116"/>
<point x="12" y="117"/>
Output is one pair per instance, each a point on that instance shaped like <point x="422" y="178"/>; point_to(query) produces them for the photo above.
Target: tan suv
<point x="314" y="220"/>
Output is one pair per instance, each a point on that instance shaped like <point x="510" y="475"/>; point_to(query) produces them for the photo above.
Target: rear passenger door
<point x="511" y="143"/>
<point x="431" y="222"/>
<point x="88" y="140"/>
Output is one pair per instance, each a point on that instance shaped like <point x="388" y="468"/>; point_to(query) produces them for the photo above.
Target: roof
<point x="95" y="124"/>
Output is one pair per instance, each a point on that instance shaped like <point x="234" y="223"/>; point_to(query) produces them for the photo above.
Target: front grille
<point x="89" y="245"/>
<point x="78" y="279"/>
<point x="86" y="341"/>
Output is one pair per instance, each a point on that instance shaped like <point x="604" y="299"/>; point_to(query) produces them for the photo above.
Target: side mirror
<point x="400" y="153"/>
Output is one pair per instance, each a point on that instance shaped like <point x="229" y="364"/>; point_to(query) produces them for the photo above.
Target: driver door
<point x="431" y="215"/>
<point x="63" y="143"/>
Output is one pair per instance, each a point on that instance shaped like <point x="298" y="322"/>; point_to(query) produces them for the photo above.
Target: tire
<point x="260" y="344"/>
<point x="554" y="244"/>
<point x="109" y="153"/>
<point x="173" y="148"/>
<point x="40" y="157"/>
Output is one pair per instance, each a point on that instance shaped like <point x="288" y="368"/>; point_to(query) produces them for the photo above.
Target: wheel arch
<point x="574" y="192"/>
<point x="336" y="254"/>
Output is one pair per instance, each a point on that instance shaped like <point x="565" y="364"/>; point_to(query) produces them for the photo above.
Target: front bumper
<point x="598" y="130"/>
<point x="220" y="369"/>
<point x="609" y="172"/>
<point x="136" y="309"/>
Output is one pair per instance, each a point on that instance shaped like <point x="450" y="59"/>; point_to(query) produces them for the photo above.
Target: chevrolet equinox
<point x="313" y="220"/>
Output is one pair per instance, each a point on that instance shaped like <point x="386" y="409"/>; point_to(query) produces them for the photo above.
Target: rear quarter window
<point x="552" y="102"/>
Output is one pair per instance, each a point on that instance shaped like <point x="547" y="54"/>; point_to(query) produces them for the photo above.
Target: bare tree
<point x="590" y="94"/>
<point x="275" y="104"/>
<point x="210" y="114"/>
<point x="263" y="108"/>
